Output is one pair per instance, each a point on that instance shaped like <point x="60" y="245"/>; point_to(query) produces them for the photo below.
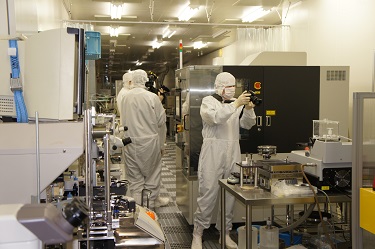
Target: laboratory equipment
<point x="274" y="170"/>
<point x="30" y="224"/>
<point x="60" y="145"/>
<point x="269" y="236"/>
<point x="329" y="157"/>
<point x="248" y="176"/>
<point x="266" y="151"/>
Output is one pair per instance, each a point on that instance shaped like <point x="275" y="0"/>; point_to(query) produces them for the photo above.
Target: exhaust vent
<point x="336" y="75"/>
<point x="7" y="106"/>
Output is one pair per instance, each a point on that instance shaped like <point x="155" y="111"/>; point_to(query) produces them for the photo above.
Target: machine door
<point x="291" y="102"/>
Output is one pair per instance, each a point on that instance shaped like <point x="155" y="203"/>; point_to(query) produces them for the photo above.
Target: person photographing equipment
<point x="220" y="151"/>
<point x="151" y="86"/>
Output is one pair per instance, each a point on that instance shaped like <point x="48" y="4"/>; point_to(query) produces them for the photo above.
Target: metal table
<point x="255" y="198"/>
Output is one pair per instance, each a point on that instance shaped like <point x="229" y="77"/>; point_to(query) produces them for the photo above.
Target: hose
<point x="299" y="221"/>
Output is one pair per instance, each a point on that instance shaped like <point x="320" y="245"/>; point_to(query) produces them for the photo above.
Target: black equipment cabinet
<point x="290" y="102"/>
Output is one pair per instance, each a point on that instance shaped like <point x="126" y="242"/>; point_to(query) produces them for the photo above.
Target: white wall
<point x="39" y="15"/>
<point x="336" y="33"/>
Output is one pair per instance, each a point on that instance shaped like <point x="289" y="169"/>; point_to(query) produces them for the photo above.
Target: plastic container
<point x="325" y="228"/>
<point x="286" y="237"/>
<point x="93" y="45"/>
<point x="325" y="234"/>
<point x="242" y="237"/>
<point x="269" y="236"/>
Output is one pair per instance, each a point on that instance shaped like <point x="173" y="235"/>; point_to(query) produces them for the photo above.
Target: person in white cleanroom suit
<point x="127" y="79"/>
<point x="144" y="115"/>
<point x="219" y="153"/>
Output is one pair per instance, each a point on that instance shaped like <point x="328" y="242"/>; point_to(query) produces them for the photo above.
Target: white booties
<point x="197" y="237"/>
<point x="230" y="244"/>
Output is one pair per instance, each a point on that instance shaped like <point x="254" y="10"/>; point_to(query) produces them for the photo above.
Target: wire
<point x="333" y="246"/>
<point x="329" y="203"/>
<point x="209" y="14"/>
<point x="151" y="7"/>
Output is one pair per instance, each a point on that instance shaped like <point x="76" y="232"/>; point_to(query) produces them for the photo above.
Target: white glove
<point x="243" y="99"/>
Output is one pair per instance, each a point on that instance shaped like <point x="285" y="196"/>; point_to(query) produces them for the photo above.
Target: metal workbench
<point x="264" y="198"/>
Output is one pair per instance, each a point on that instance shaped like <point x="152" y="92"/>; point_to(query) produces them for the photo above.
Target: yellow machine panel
<point x="366" y="209"/>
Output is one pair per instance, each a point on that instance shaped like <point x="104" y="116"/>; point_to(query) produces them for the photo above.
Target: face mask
<point x="229" y="92"/>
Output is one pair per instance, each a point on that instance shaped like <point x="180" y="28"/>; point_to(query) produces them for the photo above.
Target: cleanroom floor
<point x="176" y="228"/>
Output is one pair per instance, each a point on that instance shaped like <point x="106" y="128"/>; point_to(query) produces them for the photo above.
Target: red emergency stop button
<point x="257" y="85"/>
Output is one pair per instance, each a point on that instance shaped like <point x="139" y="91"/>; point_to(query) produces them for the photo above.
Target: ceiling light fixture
<point x="113" y="31"/>
<point x="220" y="33"/>
<point x="168" y="32"/>
<point x="137" y="63"/>
<point x="199" y="44"/>
<point x="172" y="33"/>
<point x="255" y="14"/>
<point x="187" y="13"/>
<point x="116" y="10"/>
<point x="156" y="44"/>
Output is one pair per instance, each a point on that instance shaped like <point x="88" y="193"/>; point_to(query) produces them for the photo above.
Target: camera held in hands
<point x="254" y="99"/>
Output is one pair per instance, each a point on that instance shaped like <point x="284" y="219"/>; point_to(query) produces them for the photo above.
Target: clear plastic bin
<point x="326" y="130"/>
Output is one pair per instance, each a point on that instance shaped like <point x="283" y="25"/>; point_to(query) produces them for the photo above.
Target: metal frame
<point x="357" y="163"/>
<point x="256" y="198"/>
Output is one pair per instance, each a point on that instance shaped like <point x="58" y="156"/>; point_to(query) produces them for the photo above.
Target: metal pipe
<point x="99" y="132"/>
<point x="177" y="23"/>
<point x="223" y="228"/>
<point x="37" y="157"/>
<point x="87" y="127"/>
<point x="249" y="228"/>
<point x="81" y="71"/>
<point x="287" y="215"/>
<point x="292" y="218"/>
<point x="107" y="182"/>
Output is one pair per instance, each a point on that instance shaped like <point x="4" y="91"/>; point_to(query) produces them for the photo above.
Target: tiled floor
<point x="176" y="228"/>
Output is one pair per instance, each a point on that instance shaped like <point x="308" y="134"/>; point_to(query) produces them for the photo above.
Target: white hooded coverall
<point x="126" y="78"/>
<point x="219" y="153"/>
<point x="144" y="115"/>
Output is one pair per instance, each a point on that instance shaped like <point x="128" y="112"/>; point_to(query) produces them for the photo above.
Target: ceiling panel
<point x="144" y="21"/>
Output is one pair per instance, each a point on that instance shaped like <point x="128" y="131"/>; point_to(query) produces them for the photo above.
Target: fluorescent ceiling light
<point x="167" y="32"/>
<point x="116" y="10"/>
<point x="137" y="63"/>
<point x="187" y="13"/>
<point x="113" y="31"/>
<point x="156" y="44"/>
<point x="172" y="33"/>
<point x="106" y="16"/>
<point x="255" y="14"/>
<point x="199" y="45"/>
